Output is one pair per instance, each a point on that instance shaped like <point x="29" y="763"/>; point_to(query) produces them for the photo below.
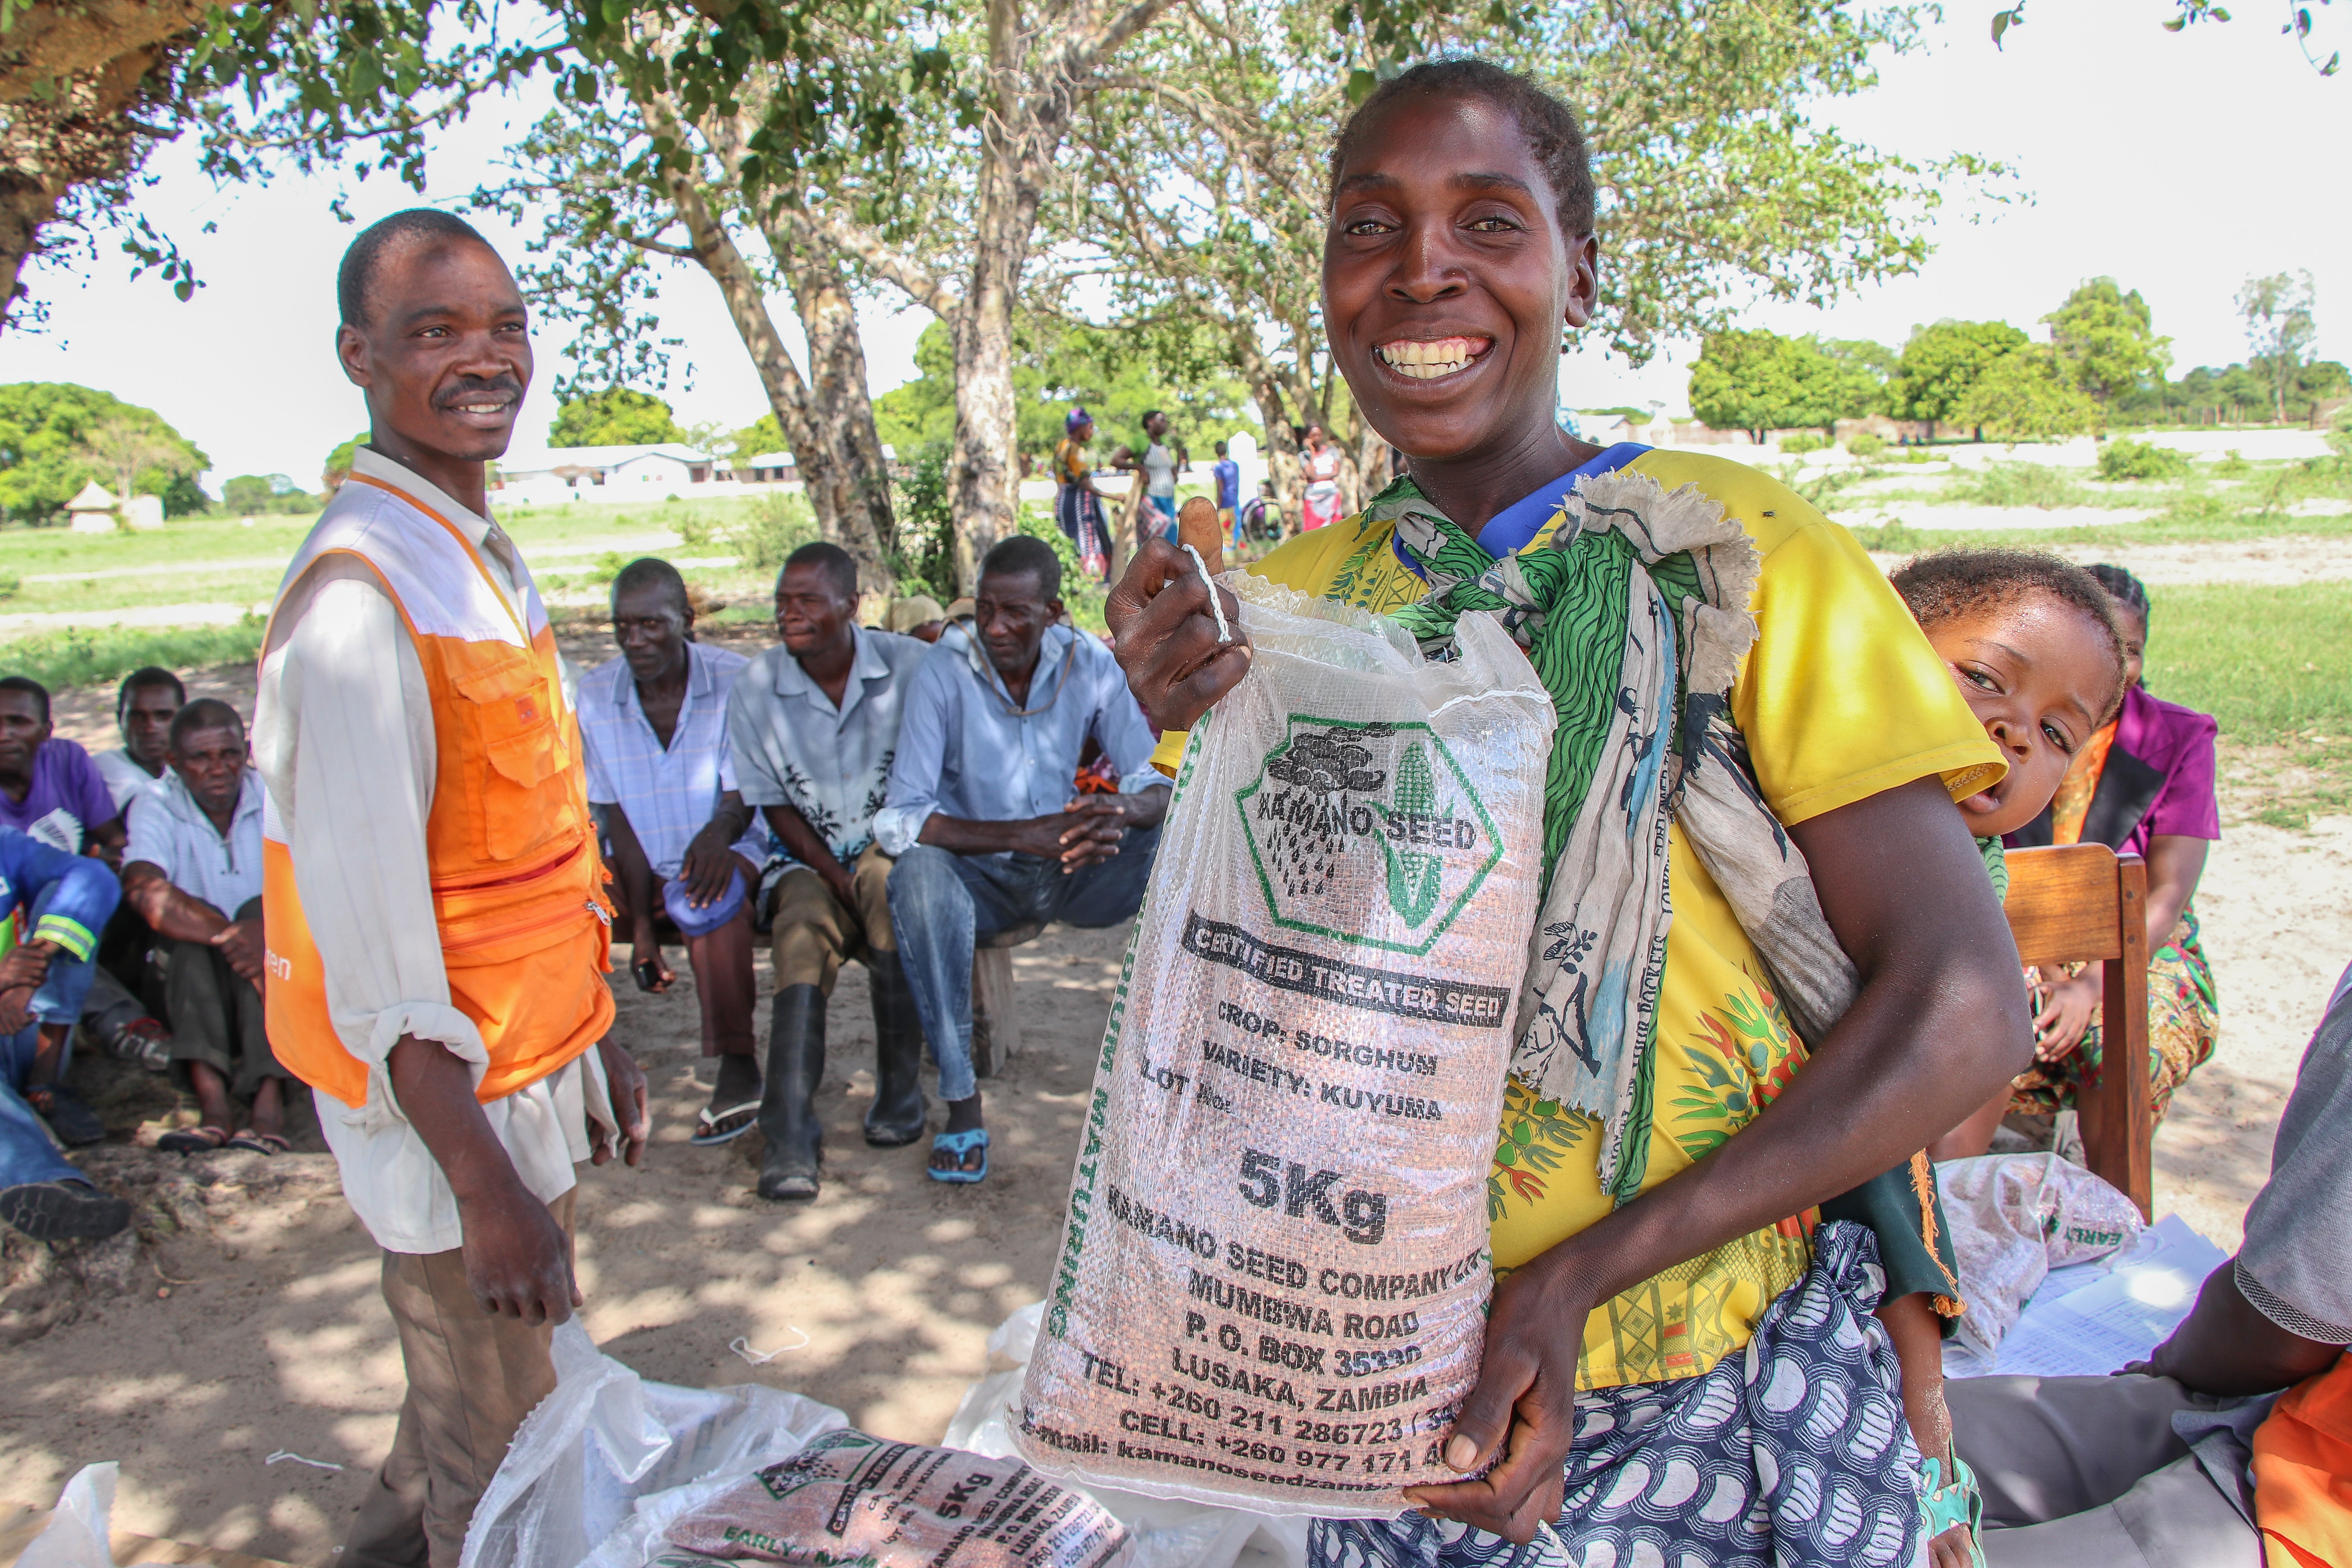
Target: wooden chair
<point x="995" y="1022"/>
<point x="2070" y="903"/>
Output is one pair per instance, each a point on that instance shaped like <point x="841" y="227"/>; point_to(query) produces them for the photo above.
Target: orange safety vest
<point x="517" y="884"/>
<point x="2303" y="1473"/>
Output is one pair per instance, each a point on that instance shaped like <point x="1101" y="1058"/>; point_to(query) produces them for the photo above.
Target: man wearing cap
<point x="432" y="910"/>
<point x="920" y="617"/>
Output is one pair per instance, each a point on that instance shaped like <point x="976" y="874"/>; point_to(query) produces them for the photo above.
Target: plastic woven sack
<point x="605" y="1440"/>
<point x="1274" y="1268"/>
<point x="2015" y="1217"/>
<point x="851" y="1498"/>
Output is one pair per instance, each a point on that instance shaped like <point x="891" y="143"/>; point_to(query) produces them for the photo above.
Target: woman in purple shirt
<point x="2144" y="786"/>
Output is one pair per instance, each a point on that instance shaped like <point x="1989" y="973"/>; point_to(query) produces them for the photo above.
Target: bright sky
<point x="2181" y="165"/>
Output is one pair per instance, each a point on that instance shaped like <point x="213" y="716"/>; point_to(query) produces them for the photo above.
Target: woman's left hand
<point x="1527" y="1394"/>
<point x="2065" y="1015"/>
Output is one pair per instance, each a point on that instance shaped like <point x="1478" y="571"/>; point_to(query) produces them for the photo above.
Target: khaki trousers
<point x="813" y="933"/>
<point x="472" y="1378"/>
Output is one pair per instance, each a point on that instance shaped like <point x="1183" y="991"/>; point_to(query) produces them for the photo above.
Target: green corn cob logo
<point x="1412" y="876"/>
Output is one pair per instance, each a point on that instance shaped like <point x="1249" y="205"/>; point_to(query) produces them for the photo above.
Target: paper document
<point x="2093" y="1318"/>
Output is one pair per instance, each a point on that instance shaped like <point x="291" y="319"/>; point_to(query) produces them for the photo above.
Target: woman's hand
<point x="1167" y="640"/>
<point x="2066" y="1015"/>
<point x="1523" y="1411"/>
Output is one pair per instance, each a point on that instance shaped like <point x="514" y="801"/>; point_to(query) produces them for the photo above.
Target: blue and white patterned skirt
<point x="1790" y="1453"/>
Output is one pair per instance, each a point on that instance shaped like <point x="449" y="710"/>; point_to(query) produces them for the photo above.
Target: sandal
<point x="1951" y="1499"/>
<point x="961" y="1144"/>
<point x="715" y="1127"/>
<point x="192" y="1141"/>
<point x="76" y="1124"/>
<point x="262" y="1144"/>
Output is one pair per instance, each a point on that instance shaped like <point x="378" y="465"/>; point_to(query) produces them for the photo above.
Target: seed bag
<point x="1274" y="1267"/>
<point x="851" y="1498"/>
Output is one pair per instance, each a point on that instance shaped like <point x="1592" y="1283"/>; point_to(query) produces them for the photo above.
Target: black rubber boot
<point x="788" y="1119"/>
<point x="896" y="1118"/>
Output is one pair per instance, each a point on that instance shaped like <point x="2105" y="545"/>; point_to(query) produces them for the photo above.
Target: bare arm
<point x="1938" y="1024"/>
<point x="1087" y="829"/>
<point x="801" y="842"/>
<point x="2226" y="1347"/>
<point x="184" y="917"/>
<point x="518" y="1260"/>
<point x="635" y="875"/>
<point x="107" y="841"/>
<point x="710" y="860"/>
<point x="167" y="910"/>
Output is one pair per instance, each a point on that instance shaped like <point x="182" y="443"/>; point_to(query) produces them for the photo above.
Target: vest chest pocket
<point x="510" y="712"/>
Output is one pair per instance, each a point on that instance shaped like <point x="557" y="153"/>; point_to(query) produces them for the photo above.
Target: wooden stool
<point x="995" y="1022"/>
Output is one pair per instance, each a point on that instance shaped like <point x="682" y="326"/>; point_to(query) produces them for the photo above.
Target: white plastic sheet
<point x="609" y="1458"/>
<point x="1169" y="1534"/>
<point x="78" y="1533"/>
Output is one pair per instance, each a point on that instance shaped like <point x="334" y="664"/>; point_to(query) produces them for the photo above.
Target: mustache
<point x="471" y="388"/>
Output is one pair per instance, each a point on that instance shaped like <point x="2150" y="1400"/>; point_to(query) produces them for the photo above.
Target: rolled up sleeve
<point x="915" y="767"/>
<point x="357" y="726"/>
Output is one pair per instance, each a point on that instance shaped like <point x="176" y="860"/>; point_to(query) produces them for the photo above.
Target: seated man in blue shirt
<point x="988" y="830"/>
<point x="52" y="907"/>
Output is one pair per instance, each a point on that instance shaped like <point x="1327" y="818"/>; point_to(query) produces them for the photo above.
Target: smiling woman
<point x="1700" y="1063"/>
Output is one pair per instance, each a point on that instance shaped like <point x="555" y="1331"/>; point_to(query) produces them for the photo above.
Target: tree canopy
<point x="1940" y="363"/>
<point x="1758" y="380"/>
<point x="2025" y="396"/>
<point x="2106" y="341"/>
<point x="48" y="430"/>
<point x="616" y="416"/>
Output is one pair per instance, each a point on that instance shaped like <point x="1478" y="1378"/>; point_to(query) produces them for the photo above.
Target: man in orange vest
<point x="434" y="908"/>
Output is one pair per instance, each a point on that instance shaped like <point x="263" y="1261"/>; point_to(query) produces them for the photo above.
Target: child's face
<point x="2038" y="675"/>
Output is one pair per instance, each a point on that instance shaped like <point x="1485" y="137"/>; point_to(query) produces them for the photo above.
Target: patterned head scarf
<point x="1076" y="418"/>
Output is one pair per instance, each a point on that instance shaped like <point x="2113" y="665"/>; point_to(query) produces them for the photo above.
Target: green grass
<point x="60" y="659"/>
<point x="2273" y="665"/>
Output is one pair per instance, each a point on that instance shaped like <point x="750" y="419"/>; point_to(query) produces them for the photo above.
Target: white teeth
<point x="1427" y="361"/>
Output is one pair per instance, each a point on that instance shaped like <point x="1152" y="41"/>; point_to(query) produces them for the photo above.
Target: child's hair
<point x="1949" y="583"/>
<point x="2122" y="587"/>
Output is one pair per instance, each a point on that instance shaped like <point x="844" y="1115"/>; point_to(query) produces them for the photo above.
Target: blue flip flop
<point x="959" y="1144"/>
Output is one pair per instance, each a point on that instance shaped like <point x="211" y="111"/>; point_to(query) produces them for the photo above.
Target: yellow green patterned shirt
<point x="1839" y="698"/>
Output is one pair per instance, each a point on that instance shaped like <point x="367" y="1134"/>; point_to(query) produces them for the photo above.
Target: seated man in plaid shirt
<point x="654" y="726"/>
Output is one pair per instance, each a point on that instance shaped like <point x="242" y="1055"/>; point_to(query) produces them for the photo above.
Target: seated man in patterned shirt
<point x="652" y="724"/>
<point x="814" y="722"/>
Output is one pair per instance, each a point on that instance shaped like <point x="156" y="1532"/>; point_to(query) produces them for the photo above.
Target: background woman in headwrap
<point x="1652" y="1213"/>
<point x="1077" y="504"/>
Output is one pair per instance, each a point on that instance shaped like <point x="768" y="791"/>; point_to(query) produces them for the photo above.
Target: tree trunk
<point x="1281" y="447"/>
<point x="984" y="483"/>
<point x="841" y="409"/>
<point x="780" y="378"/>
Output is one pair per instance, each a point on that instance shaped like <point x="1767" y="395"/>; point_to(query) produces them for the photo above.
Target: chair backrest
<point x="2074" y="902"/>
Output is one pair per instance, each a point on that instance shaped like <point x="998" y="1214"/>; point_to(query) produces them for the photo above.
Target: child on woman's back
<point x="2032" y="643"/>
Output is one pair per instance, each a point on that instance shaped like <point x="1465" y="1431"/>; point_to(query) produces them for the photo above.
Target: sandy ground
<point x="244" y="1320"/>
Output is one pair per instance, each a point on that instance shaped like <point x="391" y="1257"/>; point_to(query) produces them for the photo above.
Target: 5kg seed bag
<point x="1274" y="1267"/>
<point x="848" y="1498"/>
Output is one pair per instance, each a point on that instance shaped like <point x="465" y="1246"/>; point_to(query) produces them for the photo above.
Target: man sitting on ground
<point x="144" y="706"/>
<point x="60" y="901"/>
<point x="653" y="723"/>
<point x="49" y="787"/>
<point x="116" y="1014"/>
<point x="2193" y="1457"/>
<point x="193" y="871"/>
<point x="814" y="723"/>
<point x="50" y="791"/>
<point x="982" y="816"/>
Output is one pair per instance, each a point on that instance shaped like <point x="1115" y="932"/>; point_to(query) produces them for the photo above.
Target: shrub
<point x="2124" y="459"/>
<point x="779" y="524"/>
<point x="1797" y="446"/>
<point x="80" y="658"/>
<point x="1865" y="444"/>
<point x="2021" y="484"/>
<point x="2232" y="463"/>
<point x="1892" y="537"/>
<point x="926" y="553"/>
